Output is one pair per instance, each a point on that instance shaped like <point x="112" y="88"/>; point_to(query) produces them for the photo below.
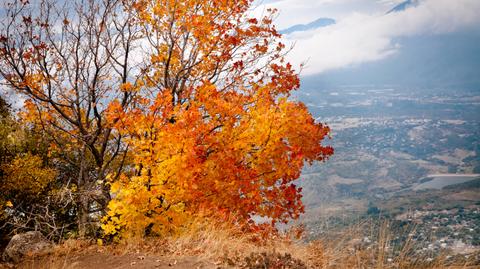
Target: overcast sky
<point x="363" y="32"/>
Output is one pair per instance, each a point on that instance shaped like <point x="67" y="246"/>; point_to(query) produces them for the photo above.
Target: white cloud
<point x="368" y="35"/>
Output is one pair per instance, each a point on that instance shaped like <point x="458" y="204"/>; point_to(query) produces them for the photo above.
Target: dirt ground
<point x="102" y="260"/>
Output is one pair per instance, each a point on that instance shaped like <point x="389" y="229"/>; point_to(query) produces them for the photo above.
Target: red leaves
<point x="261" y="48"/>
<point x="238" y="65"/>
<point x="27" y="20"/>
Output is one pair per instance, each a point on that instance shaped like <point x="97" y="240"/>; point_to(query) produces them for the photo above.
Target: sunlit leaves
<point x="204" y="128"/>
<point x="215" y="134"/>
<point x="224" y="154"/>
<point x="27" y="174"/>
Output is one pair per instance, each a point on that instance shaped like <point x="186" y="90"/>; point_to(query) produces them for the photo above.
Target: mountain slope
<point x="403" y="6"/>
<point x="321" y="22"/>
<point x="449" y="60"/>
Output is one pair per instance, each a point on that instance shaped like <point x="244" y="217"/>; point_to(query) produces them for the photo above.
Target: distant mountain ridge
<point x="323" y="22"/>
<point x="318" y="23"/>
<point x="403" y="6"/>
<point x="441" y="60"/>
<point x="449" y="60"/>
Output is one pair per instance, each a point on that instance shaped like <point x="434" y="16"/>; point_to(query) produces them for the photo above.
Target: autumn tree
<point x="214" y="131"/>
<point x="176" y="109"/>
<point x="29" y="196"/>
<point x="70" y="61"/>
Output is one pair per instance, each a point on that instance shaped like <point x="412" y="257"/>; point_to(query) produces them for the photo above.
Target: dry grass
<point x="230" y="246"/>
<point x="218" y="242"/>
<point x="226" y="247"/>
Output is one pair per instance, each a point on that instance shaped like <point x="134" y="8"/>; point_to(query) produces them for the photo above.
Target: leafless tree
<point x="69" y="60"/>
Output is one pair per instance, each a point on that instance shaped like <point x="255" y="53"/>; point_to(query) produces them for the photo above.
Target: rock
<point x="26" y="245"/>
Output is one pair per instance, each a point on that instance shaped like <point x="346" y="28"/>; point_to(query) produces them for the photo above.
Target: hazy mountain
<point x="404" y="5"/>
<point x="321" y="22"/>
<point x="448" y="60"/>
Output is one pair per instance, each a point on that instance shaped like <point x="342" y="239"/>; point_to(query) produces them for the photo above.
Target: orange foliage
<point x="213" y="132"/>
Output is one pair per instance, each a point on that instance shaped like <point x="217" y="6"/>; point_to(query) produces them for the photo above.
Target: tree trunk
<point x="82" y="198"/>
<point x="82" y="217"/>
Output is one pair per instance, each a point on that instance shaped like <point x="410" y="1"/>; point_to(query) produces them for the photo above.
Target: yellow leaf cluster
<point x="27" y="174"/>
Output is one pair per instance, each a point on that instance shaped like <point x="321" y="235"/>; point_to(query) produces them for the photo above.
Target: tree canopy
<point x="161" y="111"/>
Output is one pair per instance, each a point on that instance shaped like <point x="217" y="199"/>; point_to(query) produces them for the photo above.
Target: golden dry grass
<point x="221" y="246"/>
